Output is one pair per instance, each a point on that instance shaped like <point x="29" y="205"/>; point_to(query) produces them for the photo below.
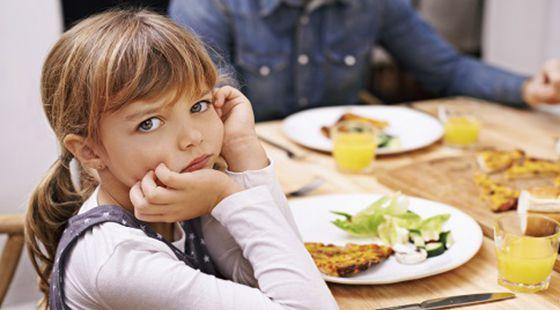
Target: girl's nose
<point x="191" y="137"/>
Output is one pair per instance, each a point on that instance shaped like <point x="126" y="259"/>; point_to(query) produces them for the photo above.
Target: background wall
<point x="520" y="36"/>
<point x="28" y="28"/>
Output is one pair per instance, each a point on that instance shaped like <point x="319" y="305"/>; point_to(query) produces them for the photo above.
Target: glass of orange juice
<point x="354" y="146"/>
<point x="526" y="247"/>
<point x="461" y="128"/>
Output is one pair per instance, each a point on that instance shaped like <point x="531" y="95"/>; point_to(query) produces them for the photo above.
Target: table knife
<point x="454" y="301"/>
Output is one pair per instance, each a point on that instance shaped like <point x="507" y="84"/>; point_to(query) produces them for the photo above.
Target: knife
<point x="454" y="301"/>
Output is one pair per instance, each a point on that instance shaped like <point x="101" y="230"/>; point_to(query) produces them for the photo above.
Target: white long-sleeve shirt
<point x="251" y="237"/>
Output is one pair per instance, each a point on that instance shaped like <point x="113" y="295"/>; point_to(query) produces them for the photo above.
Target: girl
<point x="131" y="98"/>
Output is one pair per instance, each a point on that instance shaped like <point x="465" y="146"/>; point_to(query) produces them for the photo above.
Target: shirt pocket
<point x="347" y="70"/>
<point x="264" y="79"/>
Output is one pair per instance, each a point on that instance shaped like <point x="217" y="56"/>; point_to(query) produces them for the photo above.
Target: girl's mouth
<point x="198" y="163"/>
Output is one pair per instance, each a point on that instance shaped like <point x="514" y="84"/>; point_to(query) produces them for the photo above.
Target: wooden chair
<point x="12" y="225"/>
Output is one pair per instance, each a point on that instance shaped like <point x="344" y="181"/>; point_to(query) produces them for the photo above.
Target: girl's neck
<point x="111" y="193"/>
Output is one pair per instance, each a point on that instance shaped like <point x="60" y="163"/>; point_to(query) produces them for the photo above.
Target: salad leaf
<point x="389" y="219"/>
<point x="367" y="221"/>
<point x="432" y="226"/>
<point x="391" y="232"/>
<point x="409" y="220"/>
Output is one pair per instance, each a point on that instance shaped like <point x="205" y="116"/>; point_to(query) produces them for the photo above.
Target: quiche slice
<point x="348" y="260"/>
<point x="532" y="167"/>
<point x="498" y="196"/>
<point x="326" y="130"/>
<point x="491" y="161"/>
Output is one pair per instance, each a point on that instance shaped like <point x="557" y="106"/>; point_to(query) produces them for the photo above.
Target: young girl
<point x="132" y="215"/>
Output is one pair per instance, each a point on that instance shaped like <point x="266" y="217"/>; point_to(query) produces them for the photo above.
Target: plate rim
<point x="381" y="151"/>
<point x="350" y="281"/>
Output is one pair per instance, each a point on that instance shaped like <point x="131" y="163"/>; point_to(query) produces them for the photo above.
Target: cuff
<point x="253" y="178"/>
<point x="234" y="203"/>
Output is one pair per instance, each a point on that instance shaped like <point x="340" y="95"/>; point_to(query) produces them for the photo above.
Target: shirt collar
<point x="267" y="7"/>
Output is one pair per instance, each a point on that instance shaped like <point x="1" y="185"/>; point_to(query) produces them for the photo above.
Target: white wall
<point x="521" y="35"/>
<point x="28" y="28"/>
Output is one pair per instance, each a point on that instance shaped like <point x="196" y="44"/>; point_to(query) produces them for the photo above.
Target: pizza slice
<point x="532" y="167"/>
<point x="498" y="196"/>
<point x="491" y="161"/>
<point x="326" y="130"/>
<point x="348" y="260"/>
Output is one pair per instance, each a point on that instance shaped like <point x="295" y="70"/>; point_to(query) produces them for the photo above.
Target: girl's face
<point x="185" y="136"/>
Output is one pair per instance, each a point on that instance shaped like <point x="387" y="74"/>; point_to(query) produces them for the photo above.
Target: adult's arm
<point x="436" y="64"/>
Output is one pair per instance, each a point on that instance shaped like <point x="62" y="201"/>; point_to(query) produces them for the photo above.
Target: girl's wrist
<point x="244" y="153"/>
<point x="229" y="188"/>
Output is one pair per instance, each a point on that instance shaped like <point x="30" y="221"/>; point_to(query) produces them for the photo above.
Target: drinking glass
<point x="526" y="247"/>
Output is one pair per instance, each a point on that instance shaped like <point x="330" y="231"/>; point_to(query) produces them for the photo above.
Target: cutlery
<point x="291" y="154"/>
<point x="309" y="187"/>
<point x="454" y="301"/>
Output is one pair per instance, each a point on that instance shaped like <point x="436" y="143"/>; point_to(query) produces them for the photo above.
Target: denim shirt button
<point x="264" y="70"/>
<point x="303" y="102"/>
<point x="303" y="59"/>
<point x="350" y="60"/>
<point x="304" y="20"/>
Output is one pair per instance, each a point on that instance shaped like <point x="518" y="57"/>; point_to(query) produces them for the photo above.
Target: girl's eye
<point x="200" y="106"/>
<point x="149" y="124"/>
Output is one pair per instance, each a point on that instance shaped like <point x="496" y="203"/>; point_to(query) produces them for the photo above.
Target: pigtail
<point x="52" y="203"/>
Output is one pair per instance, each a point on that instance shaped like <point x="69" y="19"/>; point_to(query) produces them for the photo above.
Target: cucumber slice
<point x="394" y="142"/>
<point x="435" y="249"/>
<point x="383" y="139"/>
<point x="446" y="238"/>
<point x="416" y="238"/>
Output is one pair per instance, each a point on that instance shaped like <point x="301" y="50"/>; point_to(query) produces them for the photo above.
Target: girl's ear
<point x="82" y="151"/>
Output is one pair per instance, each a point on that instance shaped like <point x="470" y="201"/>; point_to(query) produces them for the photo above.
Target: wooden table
<point x="535" y="132"/>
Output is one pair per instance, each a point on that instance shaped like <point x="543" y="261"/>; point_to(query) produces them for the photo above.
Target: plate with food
<point x="374" y="239"/>
<point x="400" y="129"/>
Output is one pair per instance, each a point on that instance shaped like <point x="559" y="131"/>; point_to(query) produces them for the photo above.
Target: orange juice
<point x="461" y="130"/>
<point x="354" y="151"/>
<point x="527" y="261"/>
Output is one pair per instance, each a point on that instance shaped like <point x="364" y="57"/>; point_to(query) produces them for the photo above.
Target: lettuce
<point x="432" y="226"/>
<point x="389" y="219"/>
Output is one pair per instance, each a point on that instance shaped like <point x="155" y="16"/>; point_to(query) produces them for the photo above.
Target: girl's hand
<point x="241" y="148"/>
<point x="185" y="195"/>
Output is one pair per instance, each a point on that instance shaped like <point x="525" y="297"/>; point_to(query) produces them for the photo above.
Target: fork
<point x="307" y="188"/>
<point x="291" y="154"/>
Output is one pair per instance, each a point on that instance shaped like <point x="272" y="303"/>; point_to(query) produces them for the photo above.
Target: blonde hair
<point x="98" y="66"/>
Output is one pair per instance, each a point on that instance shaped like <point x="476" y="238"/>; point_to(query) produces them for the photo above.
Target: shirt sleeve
<point x="437" y="65"/>
<point x="223" y="248"/>
<point x="267" y="177"/>
<point x="138" y="278"/>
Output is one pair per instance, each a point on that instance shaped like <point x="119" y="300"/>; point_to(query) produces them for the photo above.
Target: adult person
<point x="290" y="55"/>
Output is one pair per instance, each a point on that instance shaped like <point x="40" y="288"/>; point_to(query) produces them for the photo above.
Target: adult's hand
<point x="544" y="87"/>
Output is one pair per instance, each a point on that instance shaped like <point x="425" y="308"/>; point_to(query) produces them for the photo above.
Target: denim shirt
<point x="290" y="55"/>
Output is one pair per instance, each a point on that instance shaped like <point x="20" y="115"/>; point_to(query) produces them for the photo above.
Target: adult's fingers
<point x="552" y="73"/>
<point x="545" y="93"/>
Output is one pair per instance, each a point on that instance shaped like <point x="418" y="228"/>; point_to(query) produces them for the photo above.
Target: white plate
<point x="313" y="218"/>
<point x="415" y="129"/>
